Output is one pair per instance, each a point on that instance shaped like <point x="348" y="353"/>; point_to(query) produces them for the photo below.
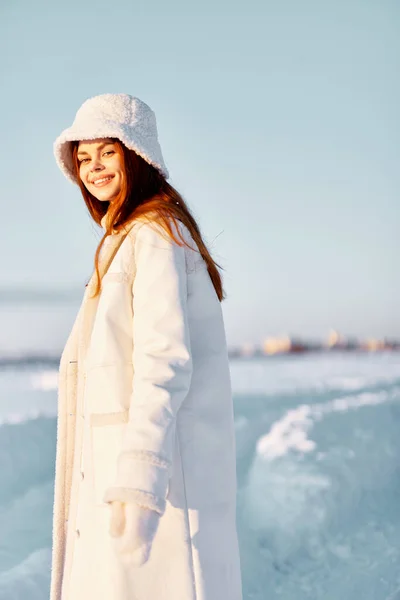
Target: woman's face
<point x="101" y="168"/>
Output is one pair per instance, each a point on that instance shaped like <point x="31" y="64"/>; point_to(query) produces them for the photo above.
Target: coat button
<point x="78" y="533"/>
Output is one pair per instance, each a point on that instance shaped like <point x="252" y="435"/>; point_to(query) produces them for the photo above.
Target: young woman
<point x="145" y="491"/>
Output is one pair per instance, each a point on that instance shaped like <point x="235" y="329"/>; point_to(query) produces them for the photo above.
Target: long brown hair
<point x="147" y="195"/>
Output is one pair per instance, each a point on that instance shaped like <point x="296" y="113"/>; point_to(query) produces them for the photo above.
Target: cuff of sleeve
<point x="135" y="496"/>
<point x="143" y="478"/>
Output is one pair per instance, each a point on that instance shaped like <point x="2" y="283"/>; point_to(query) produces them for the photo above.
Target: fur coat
<point x="145" y="415"/>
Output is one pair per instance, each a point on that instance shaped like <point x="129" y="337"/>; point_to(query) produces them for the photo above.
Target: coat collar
<point x="89" y="303"/>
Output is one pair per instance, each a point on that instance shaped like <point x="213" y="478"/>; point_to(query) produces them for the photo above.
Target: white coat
<point x="145" y="415"/>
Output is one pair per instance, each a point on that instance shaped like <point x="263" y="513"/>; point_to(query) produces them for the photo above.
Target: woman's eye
<point x="83" y="160"/>
<point x="109" y="152"/>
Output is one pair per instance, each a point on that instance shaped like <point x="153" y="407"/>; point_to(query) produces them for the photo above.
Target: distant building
<point x="372" y="345"/>
<point x="338" y="342"/>
<point x="276" y="345"/>
<point x="247" y="349"/>
<point x="334" y="339"/>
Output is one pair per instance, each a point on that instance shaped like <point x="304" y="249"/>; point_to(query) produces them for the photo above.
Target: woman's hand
<point x="133" y="528"/>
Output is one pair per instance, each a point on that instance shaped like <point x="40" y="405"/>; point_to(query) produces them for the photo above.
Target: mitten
<point x="133" y="528"/>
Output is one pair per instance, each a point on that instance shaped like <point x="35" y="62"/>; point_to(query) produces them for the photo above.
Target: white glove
<point x="133" y="528"/>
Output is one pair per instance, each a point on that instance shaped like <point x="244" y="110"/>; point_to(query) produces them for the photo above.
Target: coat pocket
<point x="107" y="430"/>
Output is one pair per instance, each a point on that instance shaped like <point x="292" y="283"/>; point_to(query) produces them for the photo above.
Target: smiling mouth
<point x="103" y="181"/>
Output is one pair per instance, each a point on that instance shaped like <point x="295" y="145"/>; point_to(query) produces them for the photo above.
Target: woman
<point x="144" y="505"/>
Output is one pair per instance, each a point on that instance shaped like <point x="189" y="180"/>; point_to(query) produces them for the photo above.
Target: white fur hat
<point x="112" y="115"/>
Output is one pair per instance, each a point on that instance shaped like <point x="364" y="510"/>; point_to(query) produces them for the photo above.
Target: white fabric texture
<point x="153" y="428"/>
<point x="112" y="115"/>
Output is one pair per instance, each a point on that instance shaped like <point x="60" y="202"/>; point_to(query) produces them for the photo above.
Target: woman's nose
<point x="96" y="165"/>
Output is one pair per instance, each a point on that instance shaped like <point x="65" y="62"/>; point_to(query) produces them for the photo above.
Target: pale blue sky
<point x="279" y="122"/>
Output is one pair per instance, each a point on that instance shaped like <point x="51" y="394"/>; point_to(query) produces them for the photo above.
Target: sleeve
<point x="162" y="366"/>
